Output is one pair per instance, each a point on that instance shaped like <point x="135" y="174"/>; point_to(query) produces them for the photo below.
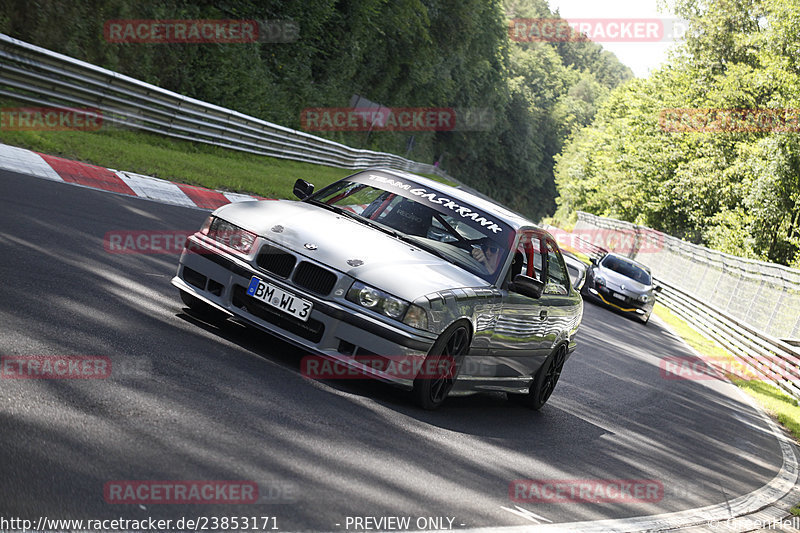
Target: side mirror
<point x="657" y="288"/>
<point x="527" y="286"/>
<point x="303" y="189"/>
<point x="593" y="261"/>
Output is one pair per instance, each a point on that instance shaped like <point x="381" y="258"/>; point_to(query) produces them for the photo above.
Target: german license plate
<point x="618" y="296"/>
<point x="279" y="299"/>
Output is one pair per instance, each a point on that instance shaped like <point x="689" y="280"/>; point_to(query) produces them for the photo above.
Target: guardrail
<point x="764" y="295"/>
<point x="42" y="77"/>
<point x="770" y="359"/>
<point x="746" y="306"/>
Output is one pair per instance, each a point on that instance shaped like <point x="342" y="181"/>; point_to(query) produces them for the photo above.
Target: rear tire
<point x="201" y="309"/>
<point x="441" y="368"/>
<point x="544" y="382"/>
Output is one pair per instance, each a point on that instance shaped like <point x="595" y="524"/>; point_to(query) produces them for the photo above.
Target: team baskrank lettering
<point x="465" y="212"/>
<point x="433" y="198"/>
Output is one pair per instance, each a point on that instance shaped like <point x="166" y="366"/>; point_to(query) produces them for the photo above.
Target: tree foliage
<point x="737" y="191"/>
<point x="400" y="53"/>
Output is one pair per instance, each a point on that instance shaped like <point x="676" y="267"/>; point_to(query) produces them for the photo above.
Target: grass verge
<point x="580" y="255"/>
<point x="772" y="399"/>
<point x="176" y="160"/>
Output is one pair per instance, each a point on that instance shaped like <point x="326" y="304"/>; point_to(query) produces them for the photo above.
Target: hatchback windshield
<point x="455" y="232"/>
<point x="627" y="269"/>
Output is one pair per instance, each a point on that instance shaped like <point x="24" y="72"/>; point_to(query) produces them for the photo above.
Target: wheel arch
<point x="465" y="320"/>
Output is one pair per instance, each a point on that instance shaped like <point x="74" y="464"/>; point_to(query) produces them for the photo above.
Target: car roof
<point x="513" y="219"/>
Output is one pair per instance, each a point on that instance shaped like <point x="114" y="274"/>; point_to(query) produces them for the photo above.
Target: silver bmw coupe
<point x="396" y="277"/>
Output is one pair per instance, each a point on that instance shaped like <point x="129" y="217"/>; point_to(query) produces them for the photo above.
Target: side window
<point x="536" y="253"/>
<point x="527" y="257"/>
<point x="519" y="264"/>
<point x="557" y="275"/>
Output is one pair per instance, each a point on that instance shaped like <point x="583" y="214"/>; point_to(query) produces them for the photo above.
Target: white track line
<point x="745" y="513"/>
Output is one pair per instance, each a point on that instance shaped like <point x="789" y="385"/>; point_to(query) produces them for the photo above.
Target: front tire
<point x="544" y="382"/>
<point x="441" y="368"/>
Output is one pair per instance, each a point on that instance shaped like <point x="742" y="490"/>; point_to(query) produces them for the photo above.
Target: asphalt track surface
<point x="192" y="401"/>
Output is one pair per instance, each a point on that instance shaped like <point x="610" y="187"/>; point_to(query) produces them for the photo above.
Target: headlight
<point x="369" y="297"/>
<point x="644" y="298"/>
<point x="230" y="235"/>
<point x="600" y="280"/>
<point x="394" y="308"/>
<point x="372" y="298"/>
<point x="416" y="317"/>
<point x="206" y="225"/>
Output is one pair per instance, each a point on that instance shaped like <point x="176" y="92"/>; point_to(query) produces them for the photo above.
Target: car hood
<point x="616" y="281"/>
<point x="381" y="260"/>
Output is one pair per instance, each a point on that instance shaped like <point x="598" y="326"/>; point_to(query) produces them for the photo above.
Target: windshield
<point x="627" y="269"/>
<point x="455" y="232"/>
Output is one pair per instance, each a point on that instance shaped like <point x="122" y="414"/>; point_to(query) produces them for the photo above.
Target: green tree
<point x="734" y="190"/>
<point x="399" y="53"/>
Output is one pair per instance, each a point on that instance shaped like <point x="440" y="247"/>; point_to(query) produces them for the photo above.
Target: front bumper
<point x="336" y="328"/>
<point x="629" y="305"/>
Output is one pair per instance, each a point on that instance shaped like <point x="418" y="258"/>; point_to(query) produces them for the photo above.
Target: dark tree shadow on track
<point x="229" y="403"/>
